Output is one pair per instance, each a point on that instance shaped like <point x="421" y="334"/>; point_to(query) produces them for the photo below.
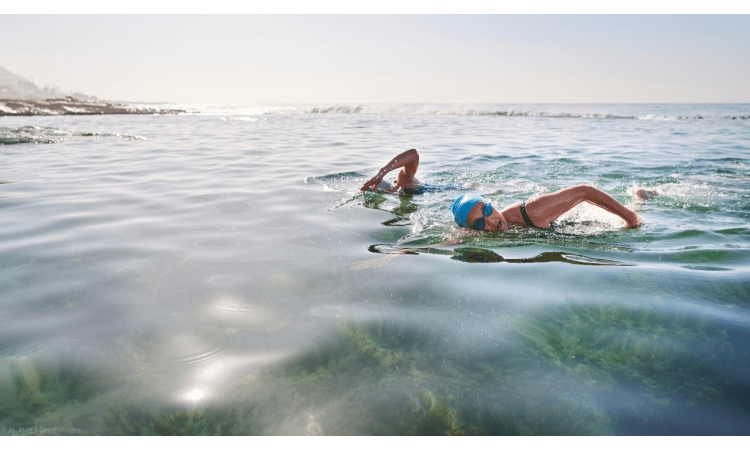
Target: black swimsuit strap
<point x="525" y="216"/>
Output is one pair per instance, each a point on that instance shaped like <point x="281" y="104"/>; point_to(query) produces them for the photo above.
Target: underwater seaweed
<point x="36" y="386"/>
<point x="668" y="353"/>
<point x="133" y="421"/>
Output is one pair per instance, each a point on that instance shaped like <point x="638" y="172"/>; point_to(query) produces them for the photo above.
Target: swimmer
<point x="475" y="213"/>
<point x="478" y="214"/>
<point x="409" y="162"/>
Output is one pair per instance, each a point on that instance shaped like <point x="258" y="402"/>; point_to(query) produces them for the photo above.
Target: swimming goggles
<point x="486" y="211"/>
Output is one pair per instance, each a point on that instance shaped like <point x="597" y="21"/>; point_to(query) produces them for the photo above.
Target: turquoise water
<point x="219" y="272"/>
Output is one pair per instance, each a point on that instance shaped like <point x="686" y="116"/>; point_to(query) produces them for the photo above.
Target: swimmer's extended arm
<point x="545" y="208"/>
<point x="409" y="160"/>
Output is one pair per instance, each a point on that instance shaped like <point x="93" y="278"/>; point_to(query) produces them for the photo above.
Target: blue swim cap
<point x="461" y="207"/>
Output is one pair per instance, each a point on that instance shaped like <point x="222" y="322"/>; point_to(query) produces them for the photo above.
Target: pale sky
<point x="263" y="59"/>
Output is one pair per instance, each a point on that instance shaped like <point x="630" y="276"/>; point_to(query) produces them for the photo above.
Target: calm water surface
<point x="220" y="273"/>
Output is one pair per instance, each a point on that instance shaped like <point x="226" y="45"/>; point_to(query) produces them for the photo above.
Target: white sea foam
<point x="75" y="110"/>
<point x="657" y="117"/>
<point x="208" y="109"/>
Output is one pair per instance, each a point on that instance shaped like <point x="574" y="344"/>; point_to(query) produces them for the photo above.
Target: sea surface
<point x="219" y="272"/>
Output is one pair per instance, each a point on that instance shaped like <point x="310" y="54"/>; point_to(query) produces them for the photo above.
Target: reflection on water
<point x="480" y="255"/>
<point x="402" y="211"/>
<point x="212" y="279"/>
<point x="50" y="135"/>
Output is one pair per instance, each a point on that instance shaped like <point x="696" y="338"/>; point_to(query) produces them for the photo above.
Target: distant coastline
<point x="21" y="97"/>
<point x="72" y="106"/>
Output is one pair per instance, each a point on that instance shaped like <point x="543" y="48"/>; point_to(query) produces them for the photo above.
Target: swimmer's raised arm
<point x="408" y="161"/>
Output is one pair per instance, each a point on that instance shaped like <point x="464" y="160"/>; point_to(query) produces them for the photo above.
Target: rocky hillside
<point x="14" y="86"/>
<point x="21" y="97"/>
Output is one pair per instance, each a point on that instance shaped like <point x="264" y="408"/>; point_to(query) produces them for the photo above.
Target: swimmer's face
<point x="494" y="221"/>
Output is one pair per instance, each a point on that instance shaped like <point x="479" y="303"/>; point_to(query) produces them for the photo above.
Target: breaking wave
<point x="426" y="110"/>
<point x="553" y="111"/>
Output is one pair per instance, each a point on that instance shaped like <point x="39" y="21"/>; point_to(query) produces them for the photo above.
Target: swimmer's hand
<point x="634" y="222"/>
<point x="373" y="183"/>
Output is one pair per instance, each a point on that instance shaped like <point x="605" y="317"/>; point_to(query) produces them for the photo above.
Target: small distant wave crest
<point x="427" y="111"/>
<point x="595" y="111"/>
<point x="434" y="110"/>
<point x="51" y="135"/>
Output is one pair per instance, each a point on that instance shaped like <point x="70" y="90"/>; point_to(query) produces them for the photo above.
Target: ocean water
<point x="219" y="272"/>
